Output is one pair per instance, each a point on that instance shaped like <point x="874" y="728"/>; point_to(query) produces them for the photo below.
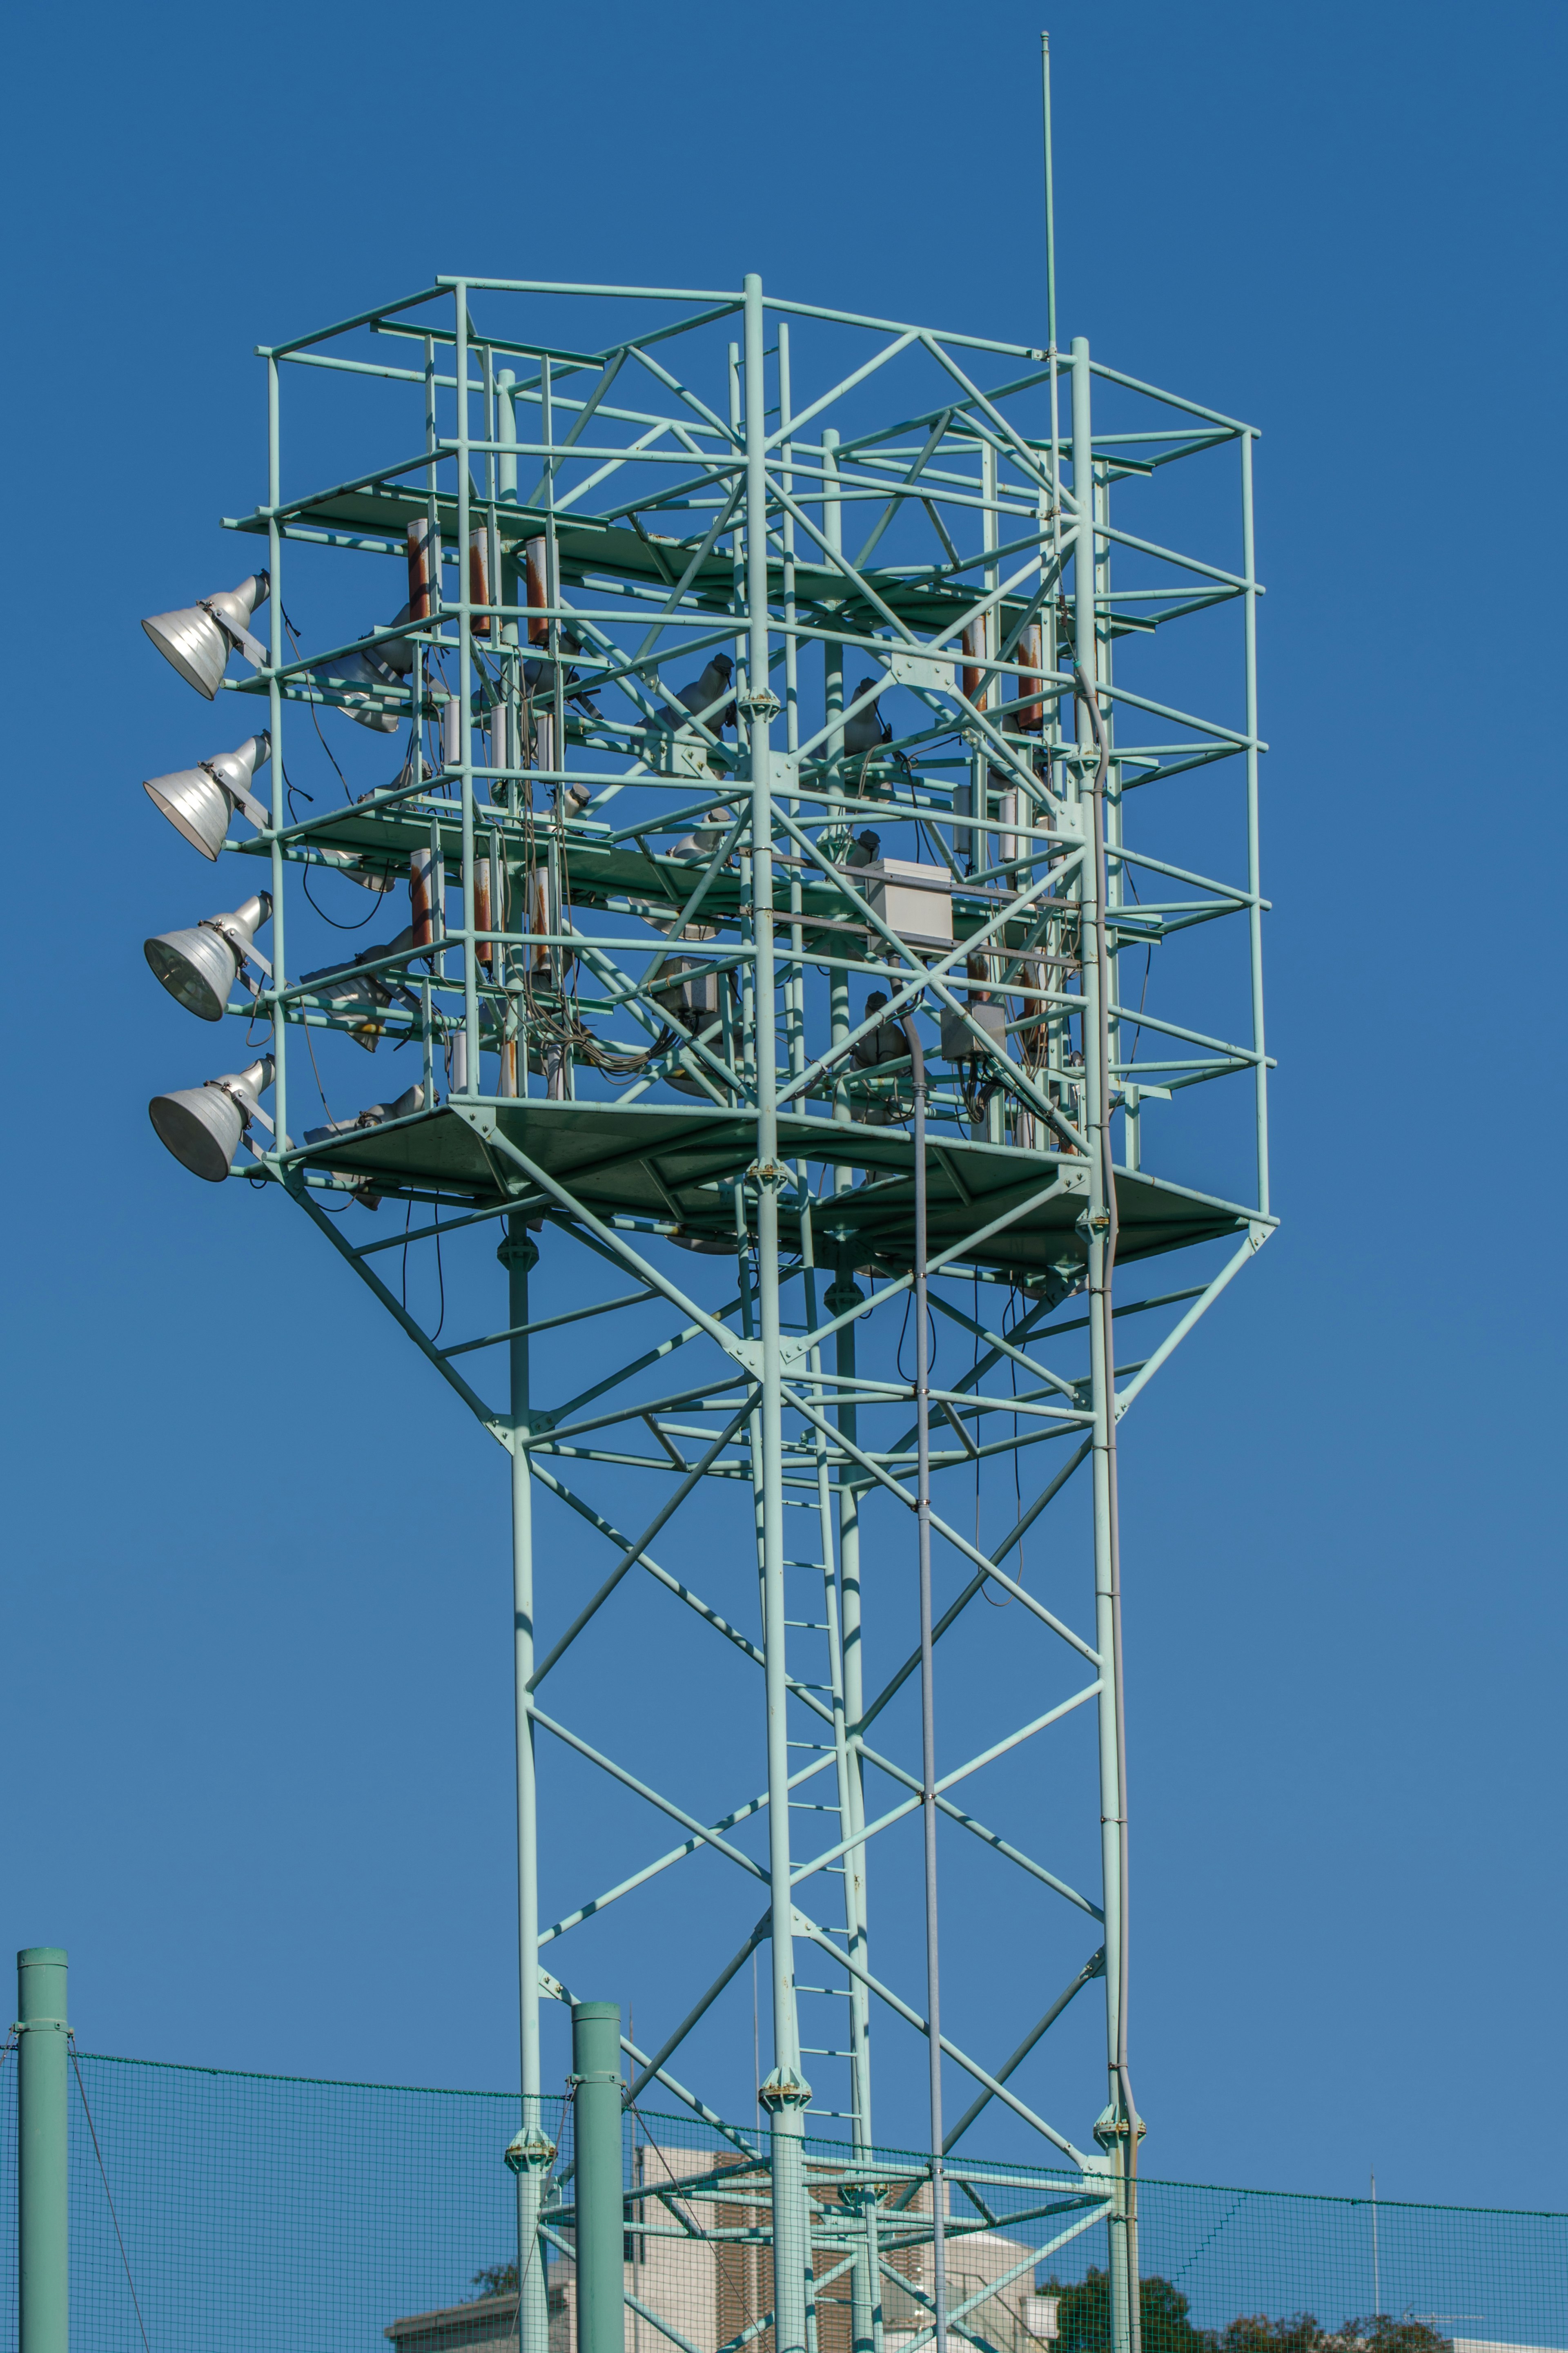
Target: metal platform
<point x="676" y="1171"/>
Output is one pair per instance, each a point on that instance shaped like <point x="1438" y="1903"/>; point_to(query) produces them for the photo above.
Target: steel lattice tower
<point x="643" y="923"/>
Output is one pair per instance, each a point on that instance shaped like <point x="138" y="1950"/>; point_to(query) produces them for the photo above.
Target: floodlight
<point x="198" y="802"/>
<point x="198" y="968"/>
<point x="374" y="1115"/>
<point x="371" y="670"/>
<point x="199" y="639"/>
<point x="694" y="849"/>
<point x="201" y="1125"/>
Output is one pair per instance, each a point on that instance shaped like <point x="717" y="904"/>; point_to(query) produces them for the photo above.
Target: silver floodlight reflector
<point x="371" y="672"/>
<point x="198" y="802"/>
<point x="374" y="1115"/>
<point x="199" y="639"/>
<point x="201" y="1125"/>
<point x="199" y="966"/>
<point x="697" y="847"/>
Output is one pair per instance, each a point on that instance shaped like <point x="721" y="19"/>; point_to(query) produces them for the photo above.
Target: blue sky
<point x="256" y="1756"/>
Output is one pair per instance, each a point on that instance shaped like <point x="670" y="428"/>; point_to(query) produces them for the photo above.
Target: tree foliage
<point x="1083" y="2323"/>
<point x="500" y="2279"/>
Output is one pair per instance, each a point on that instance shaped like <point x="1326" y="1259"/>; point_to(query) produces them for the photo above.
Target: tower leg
<point x="1118" y="2124"/>
<point x="532" y="2152"/>
<point x="785" y="2092"/>
<point x="844" y="1294"/>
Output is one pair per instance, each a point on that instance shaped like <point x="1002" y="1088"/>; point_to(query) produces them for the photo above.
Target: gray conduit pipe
<point x="1102" y="1049"/>
<point x="928" y="1712"/>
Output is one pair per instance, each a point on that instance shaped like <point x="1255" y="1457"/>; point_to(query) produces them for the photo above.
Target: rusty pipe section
<point x="536" y="597"/>
<point x="1029" y="718"/>
<point x="426" y="893"/>
<point x="479" y="579"/>
<point x="424" y="569"/>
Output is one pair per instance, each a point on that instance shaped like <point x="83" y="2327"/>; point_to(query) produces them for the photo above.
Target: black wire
<point x="292" y="789"/>
<point x="305" y="878"/>
<point x="931" y="1336"/>
<point x="1147" y="961"/>
<point x="407" y="1220"/>
<point x="440" y="1273"/>
<point x="108" y="2194"/>
<point x="315" y="716"/>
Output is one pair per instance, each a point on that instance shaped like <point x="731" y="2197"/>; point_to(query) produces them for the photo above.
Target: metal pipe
<point x="532" y="2150"/>
<point x="275" y="729"/>
<point x="1050" y="217"/>
<point x="785" y="2092"/>
<point x="598" y="2189"/>
<point x="843" y="1295"/>
<point x="1253" y="884"/>
<point x="1118" y="2127"/>
<point x="506" y="434"/>
<point x="928" y="1709"/>
<point x="42" y="2178"/>
<point x="465" y="760"/>
<point x="1107" y="1309"/>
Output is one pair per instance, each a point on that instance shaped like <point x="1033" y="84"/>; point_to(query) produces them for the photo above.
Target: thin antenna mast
<point x="1376" y="2289"/>
<point x="1050" y="195"/>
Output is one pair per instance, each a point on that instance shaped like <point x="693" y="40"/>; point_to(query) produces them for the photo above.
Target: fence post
<point x="601" y="2208"/>
<point x="43" y="2272"/>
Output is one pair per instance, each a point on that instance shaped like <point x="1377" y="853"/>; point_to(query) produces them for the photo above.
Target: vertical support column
<point x="42" y="2183"/>
<point x="600" y="2192"/>
<point x="843" y="1295"/>
<point x="465" y="703"/>
<point x="1254" y="870"/>
<point x="1114" y="2128"/>
<point x="928" y="1701"/>
<point x="833" y="706"/>
<point x="275" y="730"/>
<point x="531" y="2153"/>
<point x="785" y="2092"/>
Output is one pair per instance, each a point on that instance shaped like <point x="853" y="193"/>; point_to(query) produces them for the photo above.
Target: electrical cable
<point x="290" y="789"/>
<point x="108" y="2194"/>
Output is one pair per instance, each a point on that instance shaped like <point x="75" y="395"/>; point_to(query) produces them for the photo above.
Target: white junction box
<point x="912" y="898"/>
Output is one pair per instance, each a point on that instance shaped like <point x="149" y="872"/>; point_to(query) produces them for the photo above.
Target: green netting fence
<point x="220" y="2212"/>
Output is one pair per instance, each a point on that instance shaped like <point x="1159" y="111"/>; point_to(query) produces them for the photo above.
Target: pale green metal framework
<point x="698" y="473"/>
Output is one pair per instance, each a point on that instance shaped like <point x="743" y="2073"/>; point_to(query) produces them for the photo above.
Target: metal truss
<point x="754" y="651"/>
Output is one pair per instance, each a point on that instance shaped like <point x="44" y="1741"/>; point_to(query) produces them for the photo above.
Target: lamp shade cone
<point x="201" y="1125"/>
<point x="198" y="638"/>
<point x="199" y="966"/>
<point x="358" y="677"/>
<point x="199" y="802"/>
<point x="196" y="804"/>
